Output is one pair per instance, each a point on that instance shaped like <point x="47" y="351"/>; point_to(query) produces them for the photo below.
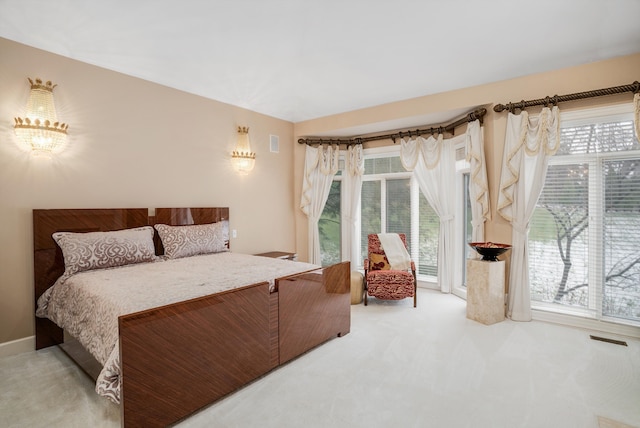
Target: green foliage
<point x="329" y="226"/>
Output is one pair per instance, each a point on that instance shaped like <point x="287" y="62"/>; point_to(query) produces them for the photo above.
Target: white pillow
<point x="184" y="241"/>
<point x="101" y="250"/>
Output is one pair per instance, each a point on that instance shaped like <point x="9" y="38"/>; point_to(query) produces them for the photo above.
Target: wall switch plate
<point x="234" y="233"/>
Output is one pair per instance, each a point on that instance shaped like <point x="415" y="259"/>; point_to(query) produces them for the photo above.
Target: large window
<point x="583" y="247"/>
<point x="391" y="202"/>
<point x="463" y="229"/>
<point x="385" y="200"/>
<point x="329" y="226"/>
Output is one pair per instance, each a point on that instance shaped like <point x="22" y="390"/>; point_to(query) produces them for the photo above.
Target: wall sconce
<point x="40" y="129"/>
<point x="243" y="158"/>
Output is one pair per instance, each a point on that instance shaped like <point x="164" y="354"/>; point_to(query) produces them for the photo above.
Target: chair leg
<point x="364" y="289"/>
<point x="415" y="289"/>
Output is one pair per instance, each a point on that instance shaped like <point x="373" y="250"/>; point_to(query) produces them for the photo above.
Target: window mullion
<point x="595" y="277"/>
<point x="415" y="221"/>
<point x="383" y="205"/>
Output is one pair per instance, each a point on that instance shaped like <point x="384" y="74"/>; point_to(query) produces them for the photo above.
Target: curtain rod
<point x="634" y="87"/>
<point x="477" y="114"/>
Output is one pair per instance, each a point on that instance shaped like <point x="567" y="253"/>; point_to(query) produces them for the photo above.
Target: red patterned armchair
<point x="383" y="283"/>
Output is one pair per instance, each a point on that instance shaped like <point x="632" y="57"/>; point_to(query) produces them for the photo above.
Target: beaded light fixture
<point x="243" y="158"/>
<point x="40" y="129"/>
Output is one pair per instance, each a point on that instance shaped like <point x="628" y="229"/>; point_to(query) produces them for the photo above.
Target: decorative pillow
<point x="101" y="250"/>
<point x="379" y="262"/>
<point x="184" y="241"/>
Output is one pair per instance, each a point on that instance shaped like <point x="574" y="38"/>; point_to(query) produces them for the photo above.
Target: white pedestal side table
<point x="485" y="291"/>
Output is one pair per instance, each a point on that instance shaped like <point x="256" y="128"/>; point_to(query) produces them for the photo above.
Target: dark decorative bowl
<point x="489" y="250"/>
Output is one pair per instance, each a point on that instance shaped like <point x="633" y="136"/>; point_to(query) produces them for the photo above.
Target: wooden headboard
<point x="48" y="263"/>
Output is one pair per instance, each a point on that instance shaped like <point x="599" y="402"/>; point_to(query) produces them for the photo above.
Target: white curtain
<point x="432" y="161"/>
<point x="354" y="168"/>
<point x="320" y="165"/>
<point x="529" y="143"/>
<point x="478" y="184"/>
<point x="636" y="103"/>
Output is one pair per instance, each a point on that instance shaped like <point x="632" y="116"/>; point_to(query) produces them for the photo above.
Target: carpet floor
<point x="399" y="367"/>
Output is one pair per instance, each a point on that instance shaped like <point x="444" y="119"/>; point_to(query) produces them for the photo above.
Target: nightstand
<point x="284" y="255"/>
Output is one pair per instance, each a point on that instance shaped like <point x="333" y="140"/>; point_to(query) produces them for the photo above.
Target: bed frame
<point x="178" y="358"/>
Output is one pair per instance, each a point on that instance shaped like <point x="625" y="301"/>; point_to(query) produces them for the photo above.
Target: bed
<point x="176" y="358"/>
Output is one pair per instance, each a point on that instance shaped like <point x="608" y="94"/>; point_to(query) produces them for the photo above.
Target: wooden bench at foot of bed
<point x="312" y="309"/>
<point x="179" y="358"/>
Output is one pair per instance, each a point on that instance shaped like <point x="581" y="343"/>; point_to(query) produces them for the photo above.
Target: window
<point x="583" y="247"/>
<point x="429" y="234"/>
<point x="391" y="202"/>
<point x="329" y="226"/>
<point x="463" y="228"/>
<point x="467" y="227"/>
<point x="385" y="200"/>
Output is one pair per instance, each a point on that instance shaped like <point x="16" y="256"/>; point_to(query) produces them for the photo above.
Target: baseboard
<point x="587" y="324"/>
<point x="17" y="346"/>
<point x="428" y="285"/>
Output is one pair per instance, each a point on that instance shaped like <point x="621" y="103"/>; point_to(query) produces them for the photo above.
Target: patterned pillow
<point x="379" y="262"/>
<point x="101" y="250"/>
<point x="184" y="241"/>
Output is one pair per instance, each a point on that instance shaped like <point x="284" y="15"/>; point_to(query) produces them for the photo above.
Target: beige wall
<point x="131" y="144"/>
<point x="615" y="72"/>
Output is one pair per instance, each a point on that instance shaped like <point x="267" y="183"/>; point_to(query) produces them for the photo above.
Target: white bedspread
<point x="88" y="304"/>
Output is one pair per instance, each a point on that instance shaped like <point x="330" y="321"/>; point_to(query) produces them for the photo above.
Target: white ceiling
<point x="303" y="59"/>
